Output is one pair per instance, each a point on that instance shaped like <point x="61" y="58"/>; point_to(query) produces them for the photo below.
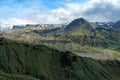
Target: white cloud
<point x="16" y="21"/>
<point x="93" y="10"/>
<point x="103" y="10"/>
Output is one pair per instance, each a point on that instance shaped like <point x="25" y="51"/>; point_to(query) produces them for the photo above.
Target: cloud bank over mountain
<point x="93" y="10"/>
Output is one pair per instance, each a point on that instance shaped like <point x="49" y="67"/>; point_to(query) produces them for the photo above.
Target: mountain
<point x="104" y="24"/>
<point x="78" y="36"/>
<point x="83" y="32"/>
<point x="79" y="26"/>
<point x="23" y="61"/>
<point x="18" y="26"/>
<point x="117" y="25"/>
<point x="39" y="26"/>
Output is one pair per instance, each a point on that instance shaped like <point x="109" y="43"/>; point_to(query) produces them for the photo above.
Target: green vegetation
<point x="6" y="76"/>
<point x="23" y="61"/>
<point x="78" y="36"/>
<point x="79" y="26"/>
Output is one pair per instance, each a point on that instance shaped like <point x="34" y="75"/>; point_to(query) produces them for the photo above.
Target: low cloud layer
<point x="92" y="10"/>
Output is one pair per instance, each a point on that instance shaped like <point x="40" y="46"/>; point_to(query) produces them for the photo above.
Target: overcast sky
<point x="57" y="11"/>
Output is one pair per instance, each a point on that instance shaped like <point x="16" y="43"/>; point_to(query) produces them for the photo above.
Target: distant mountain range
<point x="79" y="35"/>
<point x="4" y="27"/>
<point x="40" y="26"/>
<point x="43" y="26"/>
<point x="104" y="24"/>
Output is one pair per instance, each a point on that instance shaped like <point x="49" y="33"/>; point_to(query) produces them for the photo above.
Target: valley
<point x="78" y="36"/>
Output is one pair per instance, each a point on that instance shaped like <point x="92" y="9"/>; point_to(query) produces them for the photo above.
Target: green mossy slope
<point x="17" y="60"/>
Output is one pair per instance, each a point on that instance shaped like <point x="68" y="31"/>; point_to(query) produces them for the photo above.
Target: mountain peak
<point x="80" y="20"/>
<point x="78" y="25"/>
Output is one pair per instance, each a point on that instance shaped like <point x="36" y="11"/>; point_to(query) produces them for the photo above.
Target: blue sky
<point x="19" y="8"/>
<point x="57" y="11"/>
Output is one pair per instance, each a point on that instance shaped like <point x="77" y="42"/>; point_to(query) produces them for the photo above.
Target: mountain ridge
<point x="81" y="37"/>
<point x="98" y="24"/>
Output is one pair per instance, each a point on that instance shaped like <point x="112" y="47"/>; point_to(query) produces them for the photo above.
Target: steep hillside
<point x="19" y="61"/>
